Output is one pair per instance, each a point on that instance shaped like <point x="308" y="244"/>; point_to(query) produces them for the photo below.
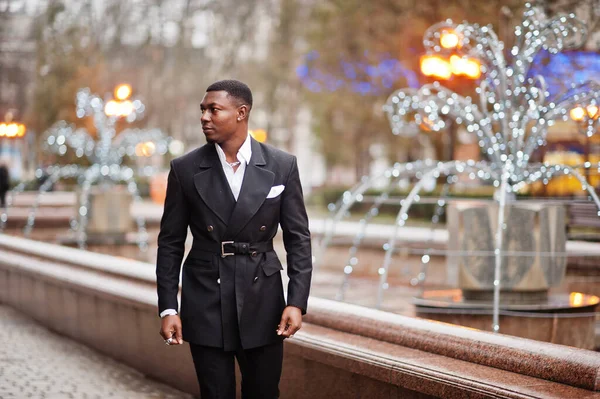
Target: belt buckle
<point x="223" y="253"/>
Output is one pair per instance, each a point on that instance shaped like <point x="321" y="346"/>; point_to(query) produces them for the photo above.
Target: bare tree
<point x="168" y="50"/>
<point x="587" y="10"/>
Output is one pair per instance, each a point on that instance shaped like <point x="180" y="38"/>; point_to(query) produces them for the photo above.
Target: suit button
<point x="218" y="281"/>
<point x="253" y="254"/>
<point x="210" y="228"/>
<point x="255" y="279"/>
<point x="263" y="228"/>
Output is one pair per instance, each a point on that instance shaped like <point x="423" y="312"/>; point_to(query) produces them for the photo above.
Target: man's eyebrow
<point x="209" y="105"/>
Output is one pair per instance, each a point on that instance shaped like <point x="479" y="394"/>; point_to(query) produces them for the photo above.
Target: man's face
<point x="219" y="116"/>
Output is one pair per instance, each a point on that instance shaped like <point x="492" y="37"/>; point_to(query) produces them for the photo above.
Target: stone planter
<point x="109" y="212"/>
<point x="534" y="244"/>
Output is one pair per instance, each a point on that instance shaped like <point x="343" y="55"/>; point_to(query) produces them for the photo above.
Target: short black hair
<point x="234" y="88"/>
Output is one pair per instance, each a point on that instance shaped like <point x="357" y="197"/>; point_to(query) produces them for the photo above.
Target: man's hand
<point x="171" y="328"/>
<point x="291" y="322"/>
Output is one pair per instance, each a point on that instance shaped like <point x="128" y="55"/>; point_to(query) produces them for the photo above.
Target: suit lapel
<point x="212" y="185"/>
<point x="255" y="187"/>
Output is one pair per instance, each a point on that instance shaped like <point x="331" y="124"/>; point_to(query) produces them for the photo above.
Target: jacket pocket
<point x="272" y="201"/>
<point x="272" y="266"/>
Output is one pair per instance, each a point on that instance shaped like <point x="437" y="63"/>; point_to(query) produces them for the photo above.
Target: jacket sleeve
<point x="171" y="243"/>
<point x="296" y="239"/>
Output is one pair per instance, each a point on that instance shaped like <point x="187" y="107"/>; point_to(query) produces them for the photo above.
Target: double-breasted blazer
<point x="237" y="299"/>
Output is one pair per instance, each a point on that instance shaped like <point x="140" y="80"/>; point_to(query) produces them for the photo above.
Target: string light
<point x="106" y="155"/>
<point x="510" y="117"/>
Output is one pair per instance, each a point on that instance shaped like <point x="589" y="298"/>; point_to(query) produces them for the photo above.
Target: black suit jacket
<point x="238" y="298"/>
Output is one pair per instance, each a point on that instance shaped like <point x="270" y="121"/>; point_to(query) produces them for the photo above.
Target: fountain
<point x="97" y="195"/>
<point x="505" y="248"/>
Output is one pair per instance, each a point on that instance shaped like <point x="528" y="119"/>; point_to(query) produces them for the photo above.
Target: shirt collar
<point x="244" y="153"/>
<point x="246" y="150"/>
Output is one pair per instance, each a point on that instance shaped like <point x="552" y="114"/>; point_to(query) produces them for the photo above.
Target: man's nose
<point x="205" y="117"/>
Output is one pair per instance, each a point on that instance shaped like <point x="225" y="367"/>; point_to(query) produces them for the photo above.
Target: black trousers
<point x="260" y="368"/>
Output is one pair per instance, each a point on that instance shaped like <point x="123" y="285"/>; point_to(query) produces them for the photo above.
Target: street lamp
<point x="122" y="105"/>
<point x="445" y="64"/>
<point x="436" y="66"/>
<point x="10" y="129"/>
<point x="464" y="66"/>
<point x="449" y="39"/>
<point x="580" y="114"/>
<point x="122" y="92"/>
<point x="10" y="144"/>
<point x="439" y="66"/>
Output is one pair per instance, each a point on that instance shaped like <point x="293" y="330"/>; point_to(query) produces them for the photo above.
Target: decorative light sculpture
<point x="510" y="118"/>
<point x="106" y="155"/>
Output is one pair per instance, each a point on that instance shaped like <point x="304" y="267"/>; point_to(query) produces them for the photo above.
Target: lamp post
<point x="122" y="106"/>
<point x="445" y="65"/>
<point x="11" y="132"/>
<point x="586" y="118"/>
<point x="10" y="129"/>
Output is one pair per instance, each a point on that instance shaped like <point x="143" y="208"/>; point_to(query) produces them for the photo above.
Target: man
<point x="233" y="193"/>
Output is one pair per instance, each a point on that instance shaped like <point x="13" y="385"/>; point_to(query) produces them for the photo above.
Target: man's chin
<point x="209" y="139"/>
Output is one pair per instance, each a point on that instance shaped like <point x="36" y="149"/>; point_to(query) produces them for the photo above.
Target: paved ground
<point x="36" y="363"/>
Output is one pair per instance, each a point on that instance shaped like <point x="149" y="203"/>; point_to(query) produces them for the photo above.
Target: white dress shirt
<point x="234" y="178"/>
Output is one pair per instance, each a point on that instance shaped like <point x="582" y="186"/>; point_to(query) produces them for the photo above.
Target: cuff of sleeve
<point x="167" y="312"/>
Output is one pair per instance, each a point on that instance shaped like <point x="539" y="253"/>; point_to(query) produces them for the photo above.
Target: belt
<point x="229" y="248"/>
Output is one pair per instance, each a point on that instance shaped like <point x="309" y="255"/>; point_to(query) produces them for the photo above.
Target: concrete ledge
<point x="117" y="266"/>
<point x="360" y="366"/>
<point x="564" y="364"/>
<point x="344" y="350"/>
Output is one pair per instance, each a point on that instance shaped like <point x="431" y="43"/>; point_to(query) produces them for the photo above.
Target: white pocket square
<point x="275" y="191"/>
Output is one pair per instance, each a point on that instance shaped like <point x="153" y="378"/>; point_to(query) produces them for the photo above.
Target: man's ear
<point x="242" y="112"/>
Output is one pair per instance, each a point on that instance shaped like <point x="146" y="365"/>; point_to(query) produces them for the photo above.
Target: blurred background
<point x="320" y="72"/>
<point x="97" y="96"/>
